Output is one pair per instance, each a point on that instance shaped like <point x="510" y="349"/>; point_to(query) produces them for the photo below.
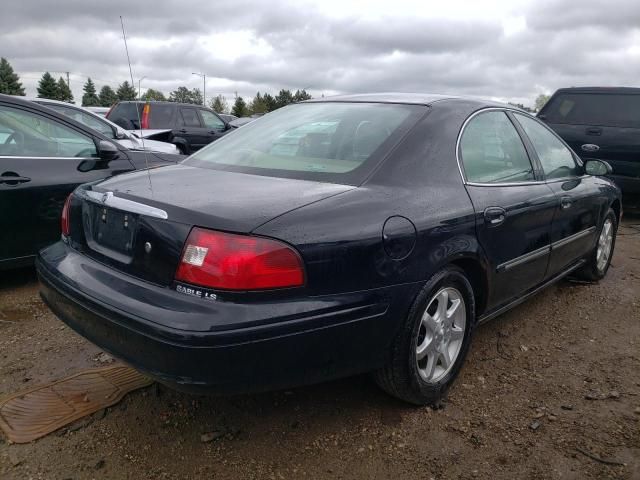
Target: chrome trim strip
<point x="527" y="257"/>
<point x="109" y="200"/>
<point x="490" y="315"/>
<point x="571" y="238"/>
<point x="480" y="184"/>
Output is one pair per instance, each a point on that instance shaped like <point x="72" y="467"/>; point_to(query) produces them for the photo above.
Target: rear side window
<point x="492" y="151"/>
<point x="556" y="159"/>
<point x="160" y="115"/>
<point x="190" y="117"/>
<point x="615" y="110"/>
<point x="128" y="115"/>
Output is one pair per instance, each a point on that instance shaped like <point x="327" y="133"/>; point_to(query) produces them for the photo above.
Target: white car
<point x="131" y="139"/>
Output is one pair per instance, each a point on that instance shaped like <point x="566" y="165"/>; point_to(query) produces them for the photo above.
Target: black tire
<point x="590" y="272"/>
<point x="184" y="150"/>
<point x="400" y="377"/>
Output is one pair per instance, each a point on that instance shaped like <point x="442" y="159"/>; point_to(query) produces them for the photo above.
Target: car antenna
<point x="144" y="150"/>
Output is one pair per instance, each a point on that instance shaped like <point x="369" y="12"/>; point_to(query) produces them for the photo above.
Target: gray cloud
<point x="564" y="43"/>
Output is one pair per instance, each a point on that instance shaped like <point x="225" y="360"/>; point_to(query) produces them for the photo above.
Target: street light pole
<point x="139" y="91"/>
<point x="204" y="87"/>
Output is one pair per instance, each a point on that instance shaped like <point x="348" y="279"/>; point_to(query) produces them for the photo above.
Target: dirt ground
<point x="549" y="390"/>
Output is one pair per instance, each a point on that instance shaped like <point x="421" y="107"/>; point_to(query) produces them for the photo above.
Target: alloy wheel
<point x="605" y="243"/>
<point x="441" y="334"/>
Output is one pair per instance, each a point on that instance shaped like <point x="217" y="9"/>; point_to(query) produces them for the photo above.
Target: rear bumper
<point x="215" y="345"/>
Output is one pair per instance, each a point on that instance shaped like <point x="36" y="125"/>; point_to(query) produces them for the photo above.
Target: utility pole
<point x="204" y="87"/>
<point x="139" y="91"/>
<point x="68" y="84"/>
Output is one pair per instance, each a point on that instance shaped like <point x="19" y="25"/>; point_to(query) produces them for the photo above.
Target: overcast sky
<point x="508" y="49"/>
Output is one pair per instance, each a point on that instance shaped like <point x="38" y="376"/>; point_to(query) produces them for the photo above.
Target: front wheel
<point x="599" y="259"/>
<point x="429" y="351"/>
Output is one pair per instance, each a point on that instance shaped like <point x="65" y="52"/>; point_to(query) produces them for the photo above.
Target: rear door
<point x="514" y="207"/>
<point x="599" y="125"/>
<point x="41" y="162"/>
<point x="579" y="201"/>
<point x="192" y="129"/>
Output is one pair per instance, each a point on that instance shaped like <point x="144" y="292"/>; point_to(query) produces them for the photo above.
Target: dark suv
<point x="190" y="127"/>
<point x="603" y="123"/>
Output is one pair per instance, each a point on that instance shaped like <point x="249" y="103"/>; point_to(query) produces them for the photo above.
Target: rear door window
<point x="492" y="151"/>
<point x="614" y="110"/>
<point x="190" y="117"/>
<point x="556" y="159"/>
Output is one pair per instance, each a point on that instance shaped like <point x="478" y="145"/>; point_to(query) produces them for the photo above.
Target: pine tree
<point x="126" y="91"/>
<point x="64" y="92"/>
<point x="9" y="81"/>
<point x="152" y="94"/>
<point x="270" y="102"/>
<point x="301" y="96"/>
<point x="258" y="105"/>
<point x="219" y="104"/>
<point x="107" y="97"/>
<point x="47" y="87"/>
<point x="284" y="98"/>
<point x="239" y="108"/>
<point x="90" y="98"/>
<point x="184" y="95"/>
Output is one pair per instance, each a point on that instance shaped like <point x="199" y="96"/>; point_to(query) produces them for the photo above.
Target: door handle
<point x="183" y="130"/>
<point x="594" y="131"/>
<point x="565" y="202"/>
<point x="590" y="147"/>
<point x="495" y="216"/>
<point x="12" y="178"/>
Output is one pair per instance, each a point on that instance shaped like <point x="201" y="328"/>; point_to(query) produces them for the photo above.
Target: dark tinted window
<point x="161" y="115"/>
<point x="616" y="110"/>
<point x="190" y="117"/>
<point x="125" y="115"/>
<point x="556" y="159"/>
<point x="492" y="151"/>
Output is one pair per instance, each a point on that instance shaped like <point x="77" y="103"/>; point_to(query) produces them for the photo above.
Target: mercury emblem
<point x="147" y="247"/>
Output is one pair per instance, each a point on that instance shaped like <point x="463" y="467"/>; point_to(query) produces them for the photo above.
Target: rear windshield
<point x="615" y="110"/>
<point x="161" y="115"/>
<point x="334" y="142"/>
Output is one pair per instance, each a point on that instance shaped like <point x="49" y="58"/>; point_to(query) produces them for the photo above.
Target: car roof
<point x="408" y="98"/>
<point x="44" y="101"/>
<point x="627" y="90"/>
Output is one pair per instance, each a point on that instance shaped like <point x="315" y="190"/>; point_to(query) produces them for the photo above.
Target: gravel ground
<point x="549" y="390"/>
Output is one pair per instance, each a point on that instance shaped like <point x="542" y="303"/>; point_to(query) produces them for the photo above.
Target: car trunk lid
<point x="142" y="231"/>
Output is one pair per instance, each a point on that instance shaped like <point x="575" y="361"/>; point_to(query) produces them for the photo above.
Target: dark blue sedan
<point x="365" y="233"/>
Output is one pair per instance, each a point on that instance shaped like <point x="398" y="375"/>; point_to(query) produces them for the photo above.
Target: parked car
<point x="227" y="117"/>
<point x="398" y="224"/>
<point x="190" y="127"/>
<point x="239" y="122"/>
<point x="101" y="111"/>
<point x="44" y="155"/>
<point x="130" y="140"/>
<point x="600" y="122"/>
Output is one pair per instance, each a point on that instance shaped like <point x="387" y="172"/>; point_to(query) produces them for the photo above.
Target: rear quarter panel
<point x="341" y="238"/>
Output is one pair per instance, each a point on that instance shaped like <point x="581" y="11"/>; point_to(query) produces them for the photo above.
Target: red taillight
<point x="110" y="110"/>
<point x="64" y="219"/>
<point x="144" y="123"/>
<point x="238" y="262"/>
